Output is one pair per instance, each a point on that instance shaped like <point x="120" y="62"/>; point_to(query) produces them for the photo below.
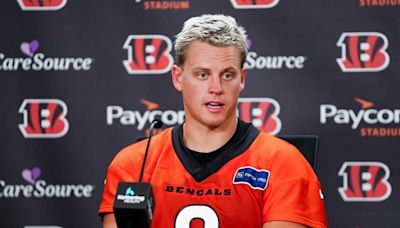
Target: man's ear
<point x="243" y="78"/>
<point x="176" y="73"/>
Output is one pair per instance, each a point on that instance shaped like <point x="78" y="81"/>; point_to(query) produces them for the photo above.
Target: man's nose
<point x="215" y="85"/>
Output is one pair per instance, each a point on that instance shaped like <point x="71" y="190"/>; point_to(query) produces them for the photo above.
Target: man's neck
<point x="201" y="138"/>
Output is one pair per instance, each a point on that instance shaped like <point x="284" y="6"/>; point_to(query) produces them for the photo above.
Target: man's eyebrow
<point x="200" y="68"/>
<point x="230" y="68"/>
<point x="207" y="69"/>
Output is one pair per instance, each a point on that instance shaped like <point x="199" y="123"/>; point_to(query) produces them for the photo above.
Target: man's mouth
<point x="214" y="105"/>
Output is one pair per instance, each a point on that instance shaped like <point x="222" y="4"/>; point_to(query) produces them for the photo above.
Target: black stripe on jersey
<point x="244" y="136"/>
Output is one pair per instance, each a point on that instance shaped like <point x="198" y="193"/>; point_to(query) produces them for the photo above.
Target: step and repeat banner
<point x="80" y="80"/>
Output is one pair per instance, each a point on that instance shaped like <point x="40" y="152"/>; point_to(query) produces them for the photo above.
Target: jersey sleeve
<point x="124" y="167"/>
<point x="114" y="175"/>
<point x="293" y="192"/>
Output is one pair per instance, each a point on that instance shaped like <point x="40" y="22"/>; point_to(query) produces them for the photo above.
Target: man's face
<point x="210" y="80"/>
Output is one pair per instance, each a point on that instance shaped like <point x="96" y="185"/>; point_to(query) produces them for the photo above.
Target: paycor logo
<point x="38" y="188"/>
<point x="366" y="116"/>
<point x="379" y="3"/>
<point x="164" y="4"/>
<point x="142" y="119"/>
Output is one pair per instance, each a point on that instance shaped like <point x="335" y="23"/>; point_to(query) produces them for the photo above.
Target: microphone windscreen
<point x="158" y="123"/>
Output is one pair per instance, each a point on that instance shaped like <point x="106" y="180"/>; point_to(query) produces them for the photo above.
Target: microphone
<point x="134" y="201"/>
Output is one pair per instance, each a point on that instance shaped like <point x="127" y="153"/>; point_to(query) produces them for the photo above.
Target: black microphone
<point x="134" y="202"/>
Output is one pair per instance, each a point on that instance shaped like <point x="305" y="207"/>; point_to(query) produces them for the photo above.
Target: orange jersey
<point x="259" y="179"/>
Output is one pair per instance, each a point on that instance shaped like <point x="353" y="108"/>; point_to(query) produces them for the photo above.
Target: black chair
<point x="306" y="144"/>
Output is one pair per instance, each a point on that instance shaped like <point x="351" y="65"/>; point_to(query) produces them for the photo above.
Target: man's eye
<point x="202" y="75"/>
<point x="227" y="76"/>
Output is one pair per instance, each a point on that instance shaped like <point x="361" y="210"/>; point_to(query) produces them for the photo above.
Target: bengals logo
<point x="43" y="118"/>
<point x="363" y="52"/>
<point x="41" y="4"/>
<point x="254" y="4"/>
<point x="365" y="181"/>
<point x="261" y="112"/>
<point x="148" y="54"/>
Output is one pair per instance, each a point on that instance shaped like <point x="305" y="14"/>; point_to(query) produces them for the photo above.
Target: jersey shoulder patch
<point x="255" y="178"/>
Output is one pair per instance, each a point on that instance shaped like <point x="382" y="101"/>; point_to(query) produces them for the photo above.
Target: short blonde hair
<point x="218" y="30"/>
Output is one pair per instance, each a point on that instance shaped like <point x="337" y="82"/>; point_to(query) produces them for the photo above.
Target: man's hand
<point x="109" y="221"/>
<point x="283" y="224"/>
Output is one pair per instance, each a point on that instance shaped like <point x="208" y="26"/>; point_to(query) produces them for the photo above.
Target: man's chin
<point x="214" y="123"/>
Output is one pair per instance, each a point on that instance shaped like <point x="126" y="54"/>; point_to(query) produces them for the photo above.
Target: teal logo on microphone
<point x="129" y="192"/>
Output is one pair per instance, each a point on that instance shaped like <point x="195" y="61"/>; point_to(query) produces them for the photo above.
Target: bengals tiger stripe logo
<point x="365" y="181"/>
<point x="39" y="5"/>
<point x="261" y="112"/>
<point x="363" y="52"/>
<point x="254" y="4"/>
<point x="43" y="118"/>
<point x="148" y="54"/>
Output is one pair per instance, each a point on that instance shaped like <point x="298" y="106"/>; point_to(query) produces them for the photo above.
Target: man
<point x="215" y="170"/>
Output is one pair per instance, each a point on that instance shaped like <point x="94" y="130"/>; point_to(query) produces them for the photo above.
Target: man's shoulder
<point x="272" y="148"/>
<point x="266" y="140"/>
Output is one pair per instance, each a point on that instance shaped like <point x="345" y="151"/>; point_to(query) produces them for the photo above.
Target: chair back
<point x="306" y="144"/>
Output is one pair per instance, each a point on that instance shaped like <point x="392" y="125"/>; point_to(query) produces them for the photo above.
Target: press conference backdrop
<point x="79" y="80"/>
